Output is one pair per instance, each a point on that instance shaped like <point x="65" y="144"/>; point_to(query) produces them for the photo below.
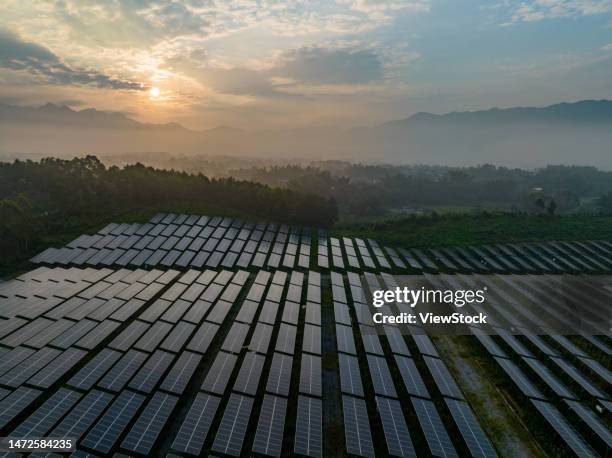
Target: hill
<point x="519" y="137"/>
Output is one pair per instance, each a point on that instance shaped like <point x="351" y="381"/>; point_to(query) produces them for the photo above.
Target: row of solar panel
<point x="191" y="283"/>
<point x="520" y="361"/>
<point x="358" y="435"/>
<point x="187" y="240"/>
<point x="118" y="370"/>
<point x="199" y="241"/>
<point x="547" y="257"/>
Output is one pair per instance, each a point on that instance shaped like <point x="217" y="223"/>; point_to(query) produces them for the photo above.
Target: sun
<point x="154" y="92"/>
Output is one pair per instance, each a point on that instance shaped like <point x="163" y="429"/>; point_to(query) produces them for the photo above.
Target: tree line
<point x="51" y="197"/>
<point x="362" y="189"/>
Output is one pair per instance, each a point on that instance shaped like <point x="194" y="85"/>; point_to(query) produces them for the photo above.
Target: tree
<point x="605" y="202"/>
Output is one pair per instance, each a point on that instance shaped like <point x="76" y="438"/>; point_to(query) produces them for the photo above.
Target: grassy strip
<point x="461" y="230"/>
<point x="507" y="432"/>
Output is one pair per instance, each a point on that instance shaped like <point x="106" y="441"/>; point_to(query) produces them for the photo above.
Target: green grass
<point x="458" y="230"/>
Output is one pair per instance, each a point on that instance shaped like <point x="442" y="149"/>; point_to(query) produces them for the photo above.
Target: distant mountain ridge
<point x="582" y="111"/>
<point x="569" y="133"/>
<point x="62" y="114"/>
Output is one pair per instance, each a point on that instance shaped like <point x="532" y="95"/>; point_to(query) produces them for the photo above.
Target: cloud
<point x="538" y="10"/>
<point x="288" y="73"/>
<point x="607" y="47"/>
<point x="322" y="65"/>
<point x="238" y="81"/>
<point x="22" y="56"/>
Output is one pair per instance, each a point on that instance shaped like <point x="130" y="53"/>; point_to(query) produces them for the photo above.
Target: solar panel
<point x="514" y="343"/>
<point x="308" y="427"/>
<point x="23" y="371"/>
<point x="311" y="375"/>
<point x="129" y="335"/>
<point x="180" y="374"/>
<point x="260" y="340"/>
<point x="14" y="357"/>
<point x="53" y="330"/>
<point x="395" y="428"/>
<point x="549" y="378"/>
<point x="219" y="373"/>
<point x="60" y="366"/>
<point x="596" y="367"/>
<point x="108" y="428"/>
<point x="147" y="377"/>
<point x="176" y="311"/>
<point x="94" y="369"/>
<point x="472" y="433"/>
<point x="294" y="293"/>
<point x="580" y="379"/>
<point x="345" y="340"/>
<point x="203" y="337"/>
<point x="350" y="379"/>
<point x="249" y="375"/>
<point x="235" y="338"/>
<point x="97" y="335"/>
<point x="312" y="339"/>
<point x="425" y="345"/>
<point x="489" y="344"/>
<point x="280" y="374"/>
<point x="313" y="314"/>
<point x="517" y="376"/>
<point x="269" y="434"/>
<point x="10" y="325"/>
<point x="82" y="416"/>
<point x="291" y="313"/>
<point x="13" y="404"/>
<point x="73" y="334"/>
<point x="27" y="332"/>
<point x="599" y="344"/>
<point x="145" y="431"/>
<point x="341" y="314"/>
<point x="396" y="341"/>
<point x="370" y="340"/>
<point x="381" y="376"/>
<point x="123" y="371"/>
<point x="357" y="427"/>
<point x="565" y="431"/>
<point x="43" y="419"/>
<point x="230" y="436"/>
<point x="285" y="341"/>
<point x="268" y="312"/>
<point x="247" y="311"/>
<point x="192" y="434"/>
<point x="153" y="337"/>
<point x="176" y="339"/>
<point x="592" y="421"/>
<point x="435" y="433"/>
<point x="444" y="380"/>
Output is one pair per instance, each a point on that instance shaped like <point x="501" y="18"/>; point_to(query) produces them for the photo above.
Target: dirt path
<point x="501" y="424"/>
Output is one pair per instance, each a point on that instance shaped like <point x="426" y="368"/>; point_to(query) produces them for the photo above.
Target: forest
<point x="367" y="190"/>
<point x="57" y="198"/>
<point x="50" y="201"/>
<point x="379" y="189"/>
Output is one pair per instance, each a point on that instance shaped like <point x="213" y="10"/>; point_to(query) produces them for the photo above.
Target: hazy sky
<point x="271" y="64"/>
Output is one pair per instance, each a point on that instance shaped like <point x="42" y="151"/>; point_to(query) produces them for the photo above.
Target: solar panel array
<point x="192" y="241"/>
<point x="142" y="349"/>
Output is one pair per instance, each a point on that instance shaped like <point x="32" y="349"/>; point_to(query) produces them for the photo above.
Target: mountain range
<point x="575" y="133"/>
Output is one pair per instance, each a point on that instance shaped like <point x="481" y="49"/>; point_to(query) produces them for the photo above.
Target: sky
<point x="270" y="64"/>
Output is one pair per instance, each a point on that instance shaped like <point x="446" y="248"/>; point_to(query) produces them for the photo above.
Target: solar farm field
<point x="205" y="336"/>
